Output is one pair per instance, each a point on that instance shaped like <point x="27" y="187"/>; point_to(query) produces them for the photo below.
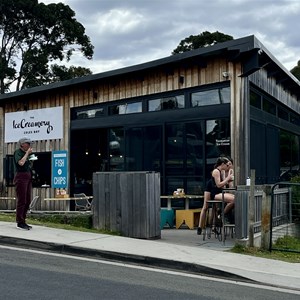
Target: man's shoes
<point x="199" y="230"/>
<point x="29" y="227"/>
<point x="23" y="226"/>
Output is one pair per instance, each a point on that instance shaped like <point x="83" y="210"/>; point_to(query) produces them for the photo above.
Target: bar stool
<point x="226" y="227"/>
<point x="213" y="220"/>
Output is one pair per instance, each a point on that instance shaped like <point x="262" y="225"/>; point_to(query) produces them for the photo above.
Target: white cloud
<point x="117" y="21"/>
<point x="130" y="32"/>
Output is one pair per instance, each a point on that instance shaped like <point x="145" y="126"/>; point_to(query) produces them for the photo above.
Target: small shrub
<point x="295" y="199"/>
<point x="288" y="242"/>
<point x="76" y="220"/>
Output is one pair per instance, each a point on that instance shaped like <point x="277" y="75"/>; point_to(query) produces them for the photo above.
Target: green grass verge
<point x="80" y="222"/>
<point x="286" y="243"/>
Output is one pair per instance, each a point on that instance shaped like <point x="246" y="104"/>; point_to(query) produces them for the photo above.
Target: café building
<point x="174" y="115"/>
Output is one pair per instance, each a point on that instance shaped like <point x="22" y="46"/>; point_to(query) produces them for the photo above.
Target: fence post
<point x="251" y="208"/>
<point x="266" y="217"/>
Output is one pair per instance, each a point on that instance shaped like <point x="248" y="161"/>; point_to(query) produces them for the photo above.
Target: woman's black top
<point x="214" y="189"/>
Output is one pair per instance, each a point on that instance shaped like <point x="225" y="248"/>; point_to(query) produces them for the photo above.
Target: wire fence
<point x="285" y="216"/>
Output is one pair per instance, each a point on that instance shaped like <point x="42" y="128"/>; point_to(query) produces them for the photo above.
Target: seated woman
<point x="222" y="177"/>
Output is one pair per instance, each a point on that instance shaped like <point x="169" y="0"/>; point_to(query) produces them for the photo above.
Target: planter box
<point x="127" y="202"/>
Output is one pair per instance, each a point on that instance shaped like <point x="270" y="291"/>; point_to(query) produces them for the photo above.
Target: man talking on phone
<point x="22" y="181"/>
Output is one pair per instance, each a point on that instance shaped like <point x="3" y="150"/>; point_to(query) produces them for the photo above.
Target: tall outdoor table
<point x="185" y="197"/>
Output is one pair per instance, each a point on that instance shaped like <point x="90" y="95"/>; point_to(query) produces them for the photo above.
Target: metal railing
<point x="285" y="216"/>
<point x="281" y="198"/>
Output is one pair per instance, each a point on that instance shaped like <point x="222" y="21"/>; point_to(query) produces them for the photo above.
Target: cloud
<point x="130" y="32"/>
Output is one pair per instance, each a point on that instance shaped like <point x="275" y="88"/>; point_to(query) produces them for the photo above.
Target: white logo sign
<point x="37" y="124"/>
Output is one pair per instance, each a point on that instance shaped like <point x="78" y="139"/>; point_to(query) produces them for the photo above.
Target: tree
<point x="32" y="36"/>
<point x="61" y="73"/>
<point x="202" y="40"/>
<point x="296" y="71"/>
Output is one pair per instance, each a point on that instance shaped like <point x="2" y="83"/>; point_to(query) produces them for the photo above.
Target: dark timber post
<point x="266" y="217"/>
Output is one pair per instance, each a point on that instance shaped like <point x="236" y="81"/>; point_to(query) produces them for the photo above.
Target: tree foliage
<point x="296" y="71"/>
<point x="204" y="39"/>
<point x="32" y="36"/>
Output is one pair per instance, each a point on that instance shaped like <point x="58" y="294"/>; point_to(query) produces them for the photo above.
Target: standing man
<point x="22" y="181"/>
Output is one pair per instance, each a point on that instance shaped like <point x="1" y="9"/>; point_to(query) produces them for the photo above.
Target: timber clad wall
<point x="246" y="61"/>
<point x="127" y="202"/>
<point x="142" y="83"/>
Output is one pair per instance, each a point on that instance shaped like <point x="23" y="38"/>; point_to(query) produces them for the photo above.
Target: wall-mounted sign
<point x="223" y="142"/>
<point x="37" y="124"/>
<point x="59" y="169"/>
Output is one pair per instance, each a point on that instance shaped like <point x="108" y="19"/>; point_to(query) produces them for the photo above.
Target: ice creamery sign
<point x="38" y="124"/>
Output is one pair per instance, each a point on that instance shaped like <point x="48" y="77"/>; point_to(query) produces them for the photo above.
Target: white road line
<point x="177" y="273"/>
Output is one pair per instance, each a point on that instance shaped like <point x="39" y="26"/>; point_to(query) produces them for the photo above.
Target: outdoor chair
<point x="82" y="203"/>
<point x="33" y="203"/>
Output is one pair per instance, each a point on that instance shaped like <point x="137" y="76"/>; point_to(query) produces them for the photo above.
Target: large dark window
<point x="255" y="99"/>
<point x="289" y="155"/>
<point x="181" y="152"/>
<point x="174" y="149"/>
<point x="88" y="154"/>
<point x="272" y="106"/>
<point x="9" y="171"/>
<point x="217" y="141"/>
<point x="116" y="149"/>
<point x="194" y="148"/>
<point x="153" y="148"/>
<point x="184" y="157"/>
<point x="283" y="114"/>
<point x="41" y="169"/>
<point x="269" y="106"/>
<point x="174" y="138"/>
<point x="143" y="149"/>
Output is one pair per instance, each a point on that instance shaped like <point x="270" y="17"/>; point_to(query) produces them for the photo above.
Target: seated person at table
<point x="222" y="177"/>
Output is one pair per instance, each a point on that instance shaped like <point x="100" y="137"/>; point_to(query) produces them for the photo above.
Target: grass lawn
<point x="81" y="222"/>
<point x="287" y="242"/>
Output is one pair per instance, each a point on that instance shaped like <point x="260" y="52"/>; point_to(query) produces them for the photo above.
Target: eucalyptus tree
<point x="34" y="35"/>
<point x="201" y="40"/>
<point x="296" y="70"/>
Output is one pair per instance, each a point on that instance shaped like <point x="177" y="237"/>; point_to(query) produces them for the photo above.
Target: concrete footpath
<point x="178" y="249"/>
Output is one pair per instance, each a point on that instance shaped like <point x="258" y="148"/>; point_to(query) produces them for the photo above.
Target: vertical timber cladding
<point x="239" y="122"/>
<point x="139" y="83"/>
<point x="41" y="100"/>
<point x="127" y="202"/>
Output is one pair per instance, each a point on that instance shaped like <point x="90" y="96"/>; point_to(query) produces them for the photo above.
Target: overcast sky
<point x="129" y="32"/>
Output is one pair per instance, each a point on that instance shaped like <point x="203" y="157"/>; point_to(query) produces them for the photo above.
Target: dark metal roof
<point x="248" y="49"/>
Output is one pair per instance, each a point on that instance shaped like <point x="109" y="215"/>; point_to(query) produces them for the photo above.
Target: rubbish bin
<point x="241" y="212"/>
<point x="127" y="202"/>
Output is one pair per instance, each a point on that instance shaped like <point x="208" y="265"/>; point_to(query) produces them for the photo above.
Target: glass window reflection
<point x="166" y="103"/>
<point x="127" y="108"/>
<point x="211" y="97"/>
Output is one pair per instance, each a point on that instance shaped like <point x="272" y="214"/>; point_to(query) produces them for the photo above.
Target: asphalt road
<point x="27" y="274"/>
